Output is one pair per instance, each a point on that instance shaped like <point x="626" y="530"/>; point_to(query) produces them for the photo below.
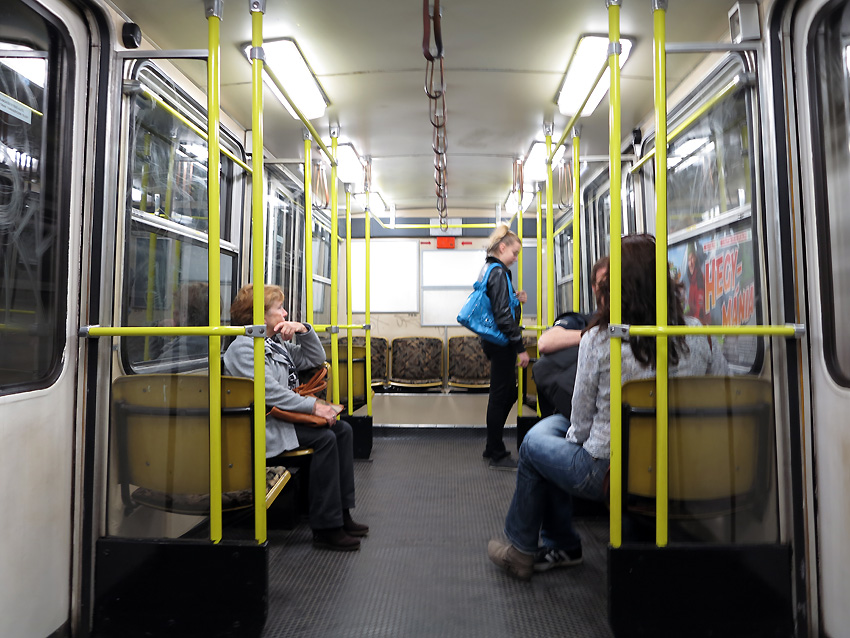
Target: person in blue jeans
<point x="563" y="457"/>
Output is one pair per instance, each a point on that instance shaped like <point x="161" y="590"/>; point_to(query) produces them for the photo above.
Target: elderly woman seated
<point x="291" y="346"/>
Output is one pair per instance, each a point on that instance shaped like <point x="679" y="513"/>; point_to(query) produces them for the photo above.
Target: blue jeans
<point x="550" y="470"/>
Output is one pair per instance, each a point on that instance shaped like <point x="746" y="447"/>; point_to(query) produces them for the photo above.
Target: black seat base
<point x="179" y="589"/>
<point x="738" y="591"/>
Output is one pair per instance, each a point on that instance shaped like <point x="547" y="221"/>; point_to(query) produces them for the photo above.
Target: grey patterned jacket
<point x="306" y="353"/>
<point x="590" y="421"/>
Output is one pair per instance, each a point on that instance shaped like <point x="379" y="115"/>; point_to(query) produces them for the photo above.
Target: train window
<point x="710" y="224"/>
<point x="321" y="268"/>
<point x="166" y="286"/>
<point x="34" y="127"/>
<point x="284" y="265"/>
<point x="168" y="178"/>
<point x="831" y="52"/>
<point x="167" y="238"/>
<point x="564" y="271"/>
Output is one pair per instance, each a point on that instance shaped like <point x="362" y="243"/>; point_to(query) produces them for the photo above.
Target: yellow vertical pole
<point x="334" y="271"/>
<point x="615" y="270"/>
<point x="519" y="287"/>
<point x="550" y="234"/>
<point x="349" y="296"/>
<point x="257" y="263"/>
<point x="659" y="14"/>
<point x="143" y="205"/>
<point x="214" y="12"/>
<point x="169" y="185"/>
<point x="540" y="263"/>
<point x="576" y="220"/>
<point x="308" y="225"/>
<point x="368" y="319"/>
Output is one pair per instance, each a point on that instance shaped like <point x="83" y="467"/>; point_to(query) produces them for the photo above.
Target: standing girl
<point x="502" y="249"/>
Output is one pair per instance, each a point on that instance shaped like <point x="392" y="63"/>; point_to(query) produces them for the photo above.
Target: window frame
<point x="231" y="198"/>
<point x="62" y="66"/>
<point x="825" y="254"/>
<point x="724" y="72"/>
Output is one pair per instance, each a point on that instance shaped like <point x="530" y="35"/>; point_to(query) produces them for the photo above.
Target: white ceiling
<point x="504" y="62"/>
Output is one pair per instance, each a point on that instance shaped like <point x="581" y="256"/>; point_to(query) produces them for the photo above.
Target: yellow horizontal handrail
<point x="575" y="117"/>
<point x="676" y="132"/>
<point x="170" y="331"/>
<point x="561" y="229"/>
<point x="26" y="106"/>
<point x="788" y="330"/>
<point x="430" y="226"/>
<point x="304" y="120"/>
<point x="471" y="225"/>
<point x="195" y="129"/>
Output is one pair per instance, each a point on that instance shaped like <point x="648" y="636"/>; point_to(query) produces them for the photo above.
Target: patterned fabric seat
<point x="468" y="365"/>
<point x="416" y="361"/>
<point x="380" y="350"/>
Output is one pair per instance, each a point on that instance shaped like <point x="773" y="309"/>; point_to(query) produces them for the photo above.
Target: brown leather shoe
<point x="351" y="528"/>
<point x="509" y="558"/>
<point x="335" y="539"/>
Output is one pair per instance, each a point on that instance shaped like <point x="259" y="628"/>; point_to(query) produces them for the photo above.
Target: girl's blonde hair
<point x="502" y="235"/>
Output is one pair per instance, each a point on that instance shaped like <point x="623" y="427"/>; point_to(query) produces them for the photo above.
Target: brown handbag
<point x="311" y="388"/>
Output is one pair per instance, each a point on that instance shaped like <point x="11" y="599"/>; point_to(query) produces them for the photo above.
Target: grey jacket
<point x="306" y="352"/>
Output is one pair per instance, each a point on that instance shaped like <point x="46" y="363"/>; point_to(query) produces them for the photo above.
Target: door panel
<point x="43" y="57"/>
<point x="820" y="56"/>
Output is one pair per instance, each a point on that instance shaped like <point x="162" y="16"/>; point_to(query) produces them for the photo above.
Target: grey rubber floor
<point x="432" y="504"/>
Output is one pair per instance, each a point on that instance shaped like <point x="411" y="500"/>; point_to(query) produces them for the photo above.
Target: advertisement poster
<point x="717" y="272"/>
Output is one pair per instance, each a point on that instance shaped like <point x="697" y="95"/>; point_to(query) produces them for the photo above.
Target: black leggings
<point x="503" y="395"/>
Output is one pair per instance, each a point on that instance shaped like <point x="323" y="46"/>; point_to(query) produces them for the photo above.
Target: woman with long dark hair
<point x="503" y="249"/>
<point x="561" y="457"/>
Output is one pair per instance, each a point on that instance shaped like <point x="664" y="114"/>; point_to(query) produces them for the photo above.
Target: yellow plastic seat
<point x="358" y="366"/>
<point x="719" y="445"/>
<point x="161" y="426"/>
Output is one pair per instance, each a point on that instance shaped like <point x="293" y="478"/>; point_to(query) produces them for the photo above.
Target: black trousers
<point x="503" y="395"/>
<point x="331" y="488"/>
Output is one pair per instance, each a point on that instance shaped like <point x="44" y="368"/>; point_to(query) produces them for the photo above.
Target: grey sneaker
<point x="545" y="558"/>
<point x="509" y="558"/>
<point x="504" y="463"/>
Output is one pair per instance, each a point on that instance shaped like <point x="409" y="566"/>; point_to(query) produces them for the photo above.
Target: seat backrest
<point x="417" y="360"/>
<point x="719" y="448"/>
<point x="162" y="432"/>
<point x="468" y="365"/>
<point x="380" y="355"/>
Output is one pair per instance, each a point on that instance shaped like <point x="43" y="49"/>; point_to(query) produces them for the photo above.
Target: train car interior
<point x="360" y="157"/>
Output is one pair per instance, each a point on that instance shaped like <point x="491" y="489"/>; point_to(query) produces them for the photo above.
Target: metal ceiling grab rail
<point x="435" y="89"/>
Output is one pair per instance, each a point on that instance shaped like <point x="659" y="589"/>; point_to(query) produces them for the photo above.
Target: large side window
<point x="321" y="267"/>
<point x="564" y="270"/>
<point x="711" y="226"/>
<point x="831" y="54"/>
<point x="167" y="224"/>
<point x="284" y="259"/>
<point x="34" y="171"/>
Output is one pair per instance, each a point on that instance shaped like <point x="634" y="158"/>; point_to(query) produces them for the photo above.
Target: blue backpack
<point x="477" y="314"/>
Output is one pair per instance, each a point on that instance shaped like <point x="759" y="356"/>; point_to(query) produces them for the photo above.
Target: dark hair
<point x="601" y="263"/>
<point x="638" y="299"/>
<point x="242" y="308"/>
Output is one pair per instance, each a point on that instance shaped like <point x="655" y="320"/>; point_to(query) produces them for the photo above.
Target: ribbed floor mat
<point x="432" y="505"/>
